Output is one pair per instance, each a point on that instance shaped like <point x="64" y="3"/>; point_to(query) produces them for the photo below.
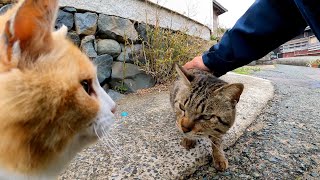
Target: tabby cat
<point x="204" y="106"/>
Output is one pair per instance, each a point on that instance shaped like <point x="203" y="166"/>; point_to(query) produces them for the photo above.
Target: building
<point x="305" y="44"/>
<point x="198" y="17"/>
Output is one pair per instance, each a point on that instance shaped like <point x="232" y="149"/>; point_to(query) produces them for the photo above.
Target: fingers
<point x="196" y="63"/>
<point x="189" y="65"/>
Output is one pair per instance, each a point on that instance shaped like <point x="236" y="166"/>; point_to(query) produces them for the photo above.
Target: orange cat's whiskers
<point x="111" y="142"/>
<point x="108" y="141"/>
<point x="112" y="148"/>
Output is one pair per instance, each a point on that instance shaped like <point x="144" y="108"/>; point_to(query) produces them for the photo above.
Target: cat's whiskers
<point x="106" y="142"/>
<point x="118" y="152"/>
<point x="111" y="141"/>
<point x="99" y="137"/>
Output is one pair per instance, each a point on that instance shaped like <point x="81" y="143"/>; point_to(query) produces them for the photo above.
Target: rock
<point x="5" y="8"/>
<point x="86" y="23"/>
<point x="132" y="76"/>
<point x="106" y="87"/>
<point x="108" y="46"/>
<point x="137" y="48"/>
<point x="142" y="31"/>
<point x="70" y="9"/>
<point x="131" y="70"/>
<point x="137" y="53"/>
<point x="122" y="47"/>
<point x="132" y="53"/>
<point x="88" y="46"/>
<point x="104" y="67"/>
<point x="125" y="57"/>
<point x="64" y="18"/>
<point x="132" y="49"/>
<point x="74" y="37"/>
<point x="88" y="49"/>
<point x="116" y="28"/>
<point x="88" y="39"/>
<point x="115" y="95"/>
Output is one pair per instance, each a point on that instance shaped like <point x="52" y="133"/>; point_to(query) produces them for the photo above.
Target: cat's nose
<point x="185" y="130"/>
<point x="114" y="109"/>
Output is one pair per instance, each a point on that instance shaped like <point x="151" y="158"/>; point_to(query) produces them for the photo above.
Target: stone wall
<point x="113" y="43"/>
<point x="143" y="11"/>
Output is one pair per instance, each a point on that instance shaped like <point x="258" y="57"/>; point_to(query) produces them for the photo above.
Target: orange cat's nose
<point x="114" y="109"/>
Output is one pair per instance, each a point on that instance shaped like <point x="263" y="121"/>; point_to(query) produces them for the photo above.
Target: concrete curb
<point x="146" y="142"/>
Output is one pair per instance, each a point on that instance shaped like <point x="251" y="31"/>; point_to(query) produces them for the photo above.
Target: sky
<point x="236" y="8"/>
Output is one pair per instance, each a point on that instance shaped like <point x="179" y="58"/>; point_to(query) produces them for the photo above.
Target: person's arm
<point x="265" y="26"/>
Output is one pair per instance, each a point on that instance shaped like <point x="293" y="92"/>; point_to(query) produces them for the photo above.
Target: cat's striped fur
<point x="204" y="106"/>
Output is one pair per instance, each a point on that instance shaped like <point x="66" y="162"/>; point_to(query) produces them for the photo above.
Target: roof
<point x="218" y="7"/>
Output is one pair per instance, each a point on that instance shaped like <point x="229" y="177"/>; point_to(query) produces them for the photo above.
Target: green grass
<point x="246" y="70"/>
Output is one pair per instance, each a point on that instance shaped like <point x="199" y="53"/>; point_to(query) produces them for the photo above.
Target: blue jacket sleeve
<point x="265" y="26"/>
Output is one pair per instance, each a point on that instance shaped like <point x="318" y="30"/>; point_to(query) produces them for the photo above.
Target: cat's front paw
<point x="220" y="163"/>
<point x="188" y="143"/>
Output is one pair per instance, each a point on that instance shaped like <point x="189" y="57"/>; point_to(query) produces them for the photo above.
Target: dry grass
<point x="164" y="48"/>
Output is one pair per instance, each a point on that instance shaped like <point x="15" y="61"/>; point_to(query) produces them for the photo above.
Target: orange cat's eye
<point x="86" y="86"/>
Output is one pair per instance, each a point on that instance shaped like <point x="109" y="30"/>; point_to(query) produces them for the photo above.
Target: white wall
<point x="198" y="10"/>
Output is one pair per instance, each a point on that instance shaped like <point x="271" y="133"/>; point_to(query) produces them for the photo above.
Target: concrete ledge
<point x="147" y="141"/>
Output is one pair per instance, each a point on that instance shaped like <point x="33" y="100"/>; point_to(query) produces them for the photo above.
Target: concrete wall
<point x="142" y="11"/>
<point x="198" y="10"/>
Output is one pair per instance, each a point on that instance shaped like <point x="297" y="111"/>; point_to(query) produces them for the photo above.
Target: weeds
<point x="165" y="47"/>
<point x="246" y="70"/>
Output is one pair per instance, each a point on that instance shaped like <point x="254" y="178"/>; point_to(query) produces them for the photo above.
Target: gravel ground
<point x="284" y="142"/>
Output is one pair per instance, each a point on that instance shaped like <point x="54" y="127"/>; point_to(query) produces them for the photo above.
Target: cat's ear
<point x="232" y="91"/>
<point x="184" y="74"/>
<point x="29" y="32"/>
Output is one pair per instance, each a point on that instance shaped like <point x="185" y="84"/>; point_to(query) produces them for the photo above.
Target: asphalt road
<point x="284" y="141"/>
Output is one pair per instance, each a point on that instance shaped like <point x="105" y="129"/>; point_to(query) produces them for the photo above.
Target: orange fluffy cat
<point x="51" y="103"/>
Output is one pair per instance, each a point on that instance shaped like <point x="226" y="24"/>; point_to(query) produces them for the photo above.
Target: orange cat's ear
<point x="184" y="74"/>
<point x="29" y="31"/>
<point x="232" y="91"/>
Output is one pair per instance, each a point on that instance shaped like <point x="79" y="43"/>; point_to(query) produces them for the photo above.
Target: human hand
<point x="196" y="63"/>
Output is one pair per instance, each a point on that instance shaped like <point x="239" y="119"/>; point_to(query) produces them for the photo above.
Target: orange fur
<point x="43" y="106"/>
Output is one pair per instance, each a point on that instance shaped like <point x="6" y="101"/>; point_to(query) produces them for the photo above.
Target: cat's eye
<point x="205" y="117"/>
<point x="181" y="107"/>
<point x="86" y="86"/>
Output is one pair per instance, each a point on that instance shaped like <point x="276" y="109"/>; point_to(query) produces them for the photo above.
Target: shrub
<point x="315" y="63"/>
<point x="165" y="47"/>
